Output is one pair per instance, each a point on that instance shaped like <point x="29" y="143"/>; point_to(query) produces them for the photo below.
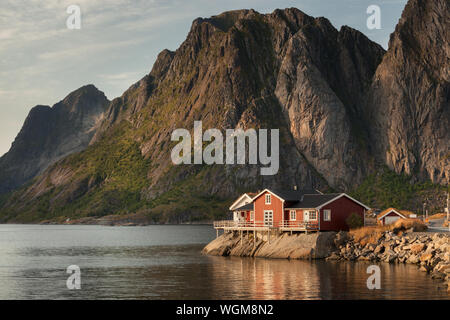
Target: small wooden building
<point x="391" y="215"/>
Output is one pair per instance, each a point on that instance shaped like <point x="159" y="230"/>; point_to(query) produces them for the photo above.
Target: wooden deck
<point x="231" y="225"/>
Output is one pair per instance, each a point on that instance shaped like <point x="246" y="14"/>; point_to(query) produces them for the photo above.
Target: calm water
<point x="164" y="262"/>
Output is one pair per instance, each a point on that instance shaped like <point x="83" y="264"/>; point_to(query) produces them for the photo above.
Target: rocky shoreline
<point x="430" y="252"/>
<point x="297" y="246"/>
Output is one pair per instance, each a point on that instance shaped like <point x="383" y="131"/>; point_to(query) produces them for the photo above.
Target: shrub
<point x="367" y="235"/>
<point x="405" y="224"/>
<point x="354" y="221"/>
<point x="372" y="234"/>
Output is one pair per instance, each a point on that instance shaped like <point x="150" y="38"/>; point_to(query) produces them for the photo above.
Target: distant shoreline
<point x="129" y="220"/>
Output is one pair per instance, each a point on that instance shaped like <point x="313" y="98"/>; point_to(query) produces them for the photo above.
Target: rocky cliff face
<point x="340" y="101"/>
<point x="408" y="105"/>
<point x="50" y="134"/>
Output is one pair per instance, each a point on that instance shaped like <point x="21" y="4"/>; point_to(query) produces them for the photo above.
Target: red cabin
<point x="293" y="210"/>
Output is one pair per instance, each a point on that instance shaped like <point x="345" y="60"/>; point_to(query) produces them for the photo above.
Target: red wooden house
<point x="295" y="210"/>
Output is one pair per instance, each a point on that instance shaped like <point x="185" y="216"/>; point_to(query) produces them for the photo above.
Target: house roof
<point x="403" y="213"/>
<point x="245" y="207"/>
<point x="312" y="201"/>
<point x="294" y="195"/>
<point x="247" y="195"/>
<point x="301" y="199"/>
<point x="288" y="195"/>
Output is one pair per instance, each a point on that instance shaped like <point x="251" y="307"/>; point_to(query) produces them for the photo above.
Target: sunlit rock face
<point x="408" y="105"/>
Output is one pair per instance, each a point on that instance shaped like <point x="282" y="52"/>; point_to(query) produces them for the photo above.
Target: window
<point x="268" y="218"/>
<point x="312" y="215"/>
<point x="268" y="199"/>
<point x="292" y="215"/>
<point x="252" y="216"/>
<point x="327" y="215"/>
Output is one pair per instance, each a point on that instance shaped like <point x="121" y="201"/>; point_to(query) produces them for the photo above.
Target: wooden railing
<point x="231" y="224"/>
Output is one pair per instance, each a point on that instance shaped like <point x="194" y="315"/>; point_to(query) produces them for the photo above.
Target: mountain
<point x="349" y="114"/>
<point x="408" y="105"/>
<point x="50" y="134"/>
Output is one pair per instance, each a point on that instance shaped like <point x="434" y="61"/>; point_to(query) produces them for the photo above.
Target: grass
<point x="371" y="234"/>
<point x="437" y="216"/>
<point x="386" y="189"/>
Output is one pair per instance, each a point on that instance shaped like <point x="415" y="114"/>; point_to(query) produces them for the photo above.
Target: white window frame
<point x="292" y="215"/>
<point x="326" y="214"/>
<point x="252" y="216"/>
<point x="266" y="219"/>
<point x="309" y="215"/>
<point x="268" y="198"/>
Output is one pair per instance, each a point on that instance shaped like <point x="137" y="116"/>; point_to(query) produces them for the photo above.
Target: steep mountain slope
<point x="408" y="106"/>
<point x="50" y="134"/>
<point x="241" y="69"/>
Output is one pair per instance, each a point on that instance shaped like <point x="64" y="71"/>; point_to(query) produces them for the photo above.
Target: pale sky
<point x="41" y="60"/>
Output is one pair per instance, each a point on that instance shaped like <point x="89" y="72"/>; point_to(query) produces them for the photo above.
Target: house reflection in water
<point x="257" y="278"/>
<point x="266" y="278"/>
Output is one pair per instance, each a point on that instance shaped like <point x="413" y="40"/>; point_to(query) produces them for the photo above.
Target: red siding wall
<point x="298" y="214"/>
<point x="341" y="209"/>
<point x="276" y="206"/>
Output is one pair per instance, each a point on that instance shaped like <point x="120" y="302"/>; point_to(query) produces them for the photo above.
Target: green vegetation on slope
<point x="386" y="189"/>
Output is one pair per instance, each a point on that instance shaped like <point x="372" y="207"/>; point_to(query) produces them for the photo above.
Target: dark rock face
<point x="408" y="104"/>
<point x="50" y="134"/>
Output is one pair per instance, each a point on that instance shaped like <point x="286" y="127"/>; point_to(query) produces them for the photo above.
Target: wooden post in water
<point x="217" y="233"/>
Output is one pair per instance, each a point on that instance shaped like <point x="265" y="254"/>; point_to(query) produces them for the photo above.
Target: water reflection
<point x="284" y="279"/>
<point x="164" y="262"/>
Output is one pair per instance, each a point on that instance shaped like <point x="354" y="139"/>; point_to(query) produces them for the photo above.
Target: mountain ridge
<point x="239" y="69"/>
<point x="51" y="133"/>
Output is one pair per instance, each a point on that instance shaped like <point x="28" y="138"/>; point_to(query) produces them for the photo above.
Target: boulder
<point x="413" y="259"/>
<point x="418" y="247"/>
<point x="341" y="238"/>
<point x="426" y="257"/>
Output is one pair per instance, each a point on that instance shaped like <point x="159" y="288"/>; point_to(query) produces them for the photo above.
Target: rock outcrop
<point x="408" y="104"/>
<point x="50" y="134"/>
<point x="296" y="246"/>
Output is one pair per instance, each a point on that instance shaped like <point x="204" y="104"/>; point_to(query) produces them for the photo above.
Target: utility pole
<point x="448" y="210"/>
<point x="423" y="212"/>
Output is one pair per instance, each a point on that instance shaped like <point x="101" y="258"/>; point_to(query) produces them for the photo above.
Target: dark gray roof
<point x="245" y="207"/>
<point x="293" y="195"/>
<point x="311" y="201"/>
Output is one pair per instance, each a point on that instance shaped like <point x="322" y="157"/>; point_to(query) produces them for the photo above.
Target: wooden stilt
<point x="254" y="239"/>
<point x="217" y="233"/>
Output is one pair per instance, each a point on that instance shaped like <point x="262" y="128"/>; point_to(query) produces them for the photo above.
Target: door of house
<point x="268" y="218"/>
<point x="306" y="216"/>
<point x="390" y="220"/>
